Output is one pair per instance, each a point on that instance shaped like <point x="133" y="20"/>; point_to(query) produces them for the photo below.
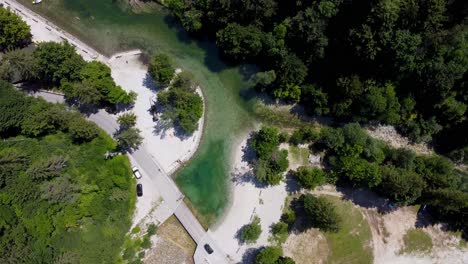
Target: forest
<point x="60" y="201"/>
<point x="397" y="62"/>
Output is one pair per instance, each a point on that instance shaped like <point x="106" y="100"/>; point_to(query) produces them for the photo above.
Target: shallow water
<point x="110" y="27"/>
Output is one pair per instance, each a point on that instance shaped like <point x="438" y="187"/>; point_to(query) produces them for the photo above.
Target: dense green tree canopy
<point x="396" y="62"/>
<point x="60" y="200"/>
<point x="321" y="213"/>
<point x="161" y="69"/>
<point x="181" y="105"/>
<point x="57" y="62"/>
<point x="14" y="32"/>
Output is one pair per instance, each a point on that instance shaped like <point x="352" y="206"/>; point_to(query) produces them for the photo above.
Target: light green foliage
<point x="97" y="85"/>
<point x="60" y="202"/>
<point x="360" y="171"/>
<point x="310" y="178"/>
<point x="350" y="243"/>
<point x="181" y="105"/>
<point x="321" y="213"/>
<point x="161" y="69"/>
<point x="14" y="32"/>
<point x="269" y="255"/>
<point x="280" y="231"/>
<point x="251" y="232"/>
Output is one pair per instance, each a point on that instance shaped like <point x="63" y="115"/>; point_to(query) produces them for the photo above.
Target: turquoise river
<point x="109" y="26"/>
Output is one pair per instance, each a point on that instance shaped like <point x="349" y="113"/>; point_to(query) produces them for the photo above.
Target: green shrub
<point x="251" y="232"/>
<point x="161" y="69"/>
<point x="321" y="213"/>
<point x="310" y="178"/>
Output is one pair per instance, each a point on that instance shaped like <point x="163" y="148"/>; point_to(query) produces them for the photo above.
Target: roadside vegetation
<point x="14" y="32"/>
<point x="56" y="66"/>
<point x="61" y="201"/>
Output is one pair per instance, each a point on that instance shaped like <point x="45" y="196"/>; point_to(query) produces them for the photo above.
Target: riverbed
<point x="111" y="27"/>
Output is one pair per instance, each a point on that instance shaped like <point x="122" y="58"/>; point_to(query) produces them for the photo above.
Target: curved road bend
<point x="172" y="196"/>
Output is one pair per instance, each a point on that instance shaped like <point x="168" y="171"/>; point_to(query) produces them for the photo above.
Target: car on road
<point x="139" y="190"/>
<point x="136" y="172"/>
<point x="208" y="248"/>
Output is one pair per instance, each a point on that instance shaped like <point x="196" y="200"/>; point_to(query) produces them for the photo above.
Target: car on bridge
<point x="208" y="249"/>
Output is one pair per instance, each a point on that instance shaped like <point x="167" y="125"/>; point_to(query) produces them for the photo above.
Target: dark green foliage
<point x="289" y="216"/>
<point x="332" y="138"/>
<point x="310" y="178"/>
<point x="152" y="228"/>
<point x="270" y="170"/>
<point x="303" y="135"/>
<point x="321" y="213"/>
<point x="285" y="260"/>
<point x="265" y="141"/>
<point x="181" y="105"/>
<point x="251" y="232"/>
<point x="14" y="32"/>
<point x="314" y="100"/>
<point x="402" y="186"/>
<point x="280" y="231"/>
<point x="161" y="69"/>
<point x="127" y="120"/>
<point x="238" y="42"/>
<point x="81" y="130"/>
<point x="13" y="106"/>
<point x="359" y="171"/>
<point x="437" y="171"/>
<point x="22" y="64"/>
<point x="129" y="139"/>
<point x="271" y="162"/>
<point x="401" y="157"/>
<point x="57" y="62"/>
<point x="450" y="205"/>
<point x="397" y="62"/>
<point x="269" y="255"/>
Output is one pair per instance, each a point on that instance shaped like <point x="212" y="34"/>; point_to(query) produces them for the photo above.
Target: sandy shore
<point x="247" y="200"/>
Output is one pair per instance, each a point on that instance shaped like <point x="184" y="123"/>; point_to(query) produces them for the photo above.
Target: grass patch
<point x="277" y="117"/>
<point x="351" y="243"/>
<point x="416" y="240"/>
<point x="300" y="155"/>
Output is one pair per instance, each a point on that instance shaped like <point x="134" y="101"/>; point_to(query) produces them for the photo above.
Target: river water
<point x="109" y="26"/>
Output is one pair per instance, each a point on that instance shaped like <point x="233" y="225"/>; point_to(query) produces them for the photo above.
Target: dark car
<point x="139" y="190"/>
<point x="208" y="249"/>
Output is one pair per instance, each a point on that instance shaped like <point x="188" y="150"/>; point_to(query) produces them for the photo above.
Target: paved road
<point x="172" y="196"/>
